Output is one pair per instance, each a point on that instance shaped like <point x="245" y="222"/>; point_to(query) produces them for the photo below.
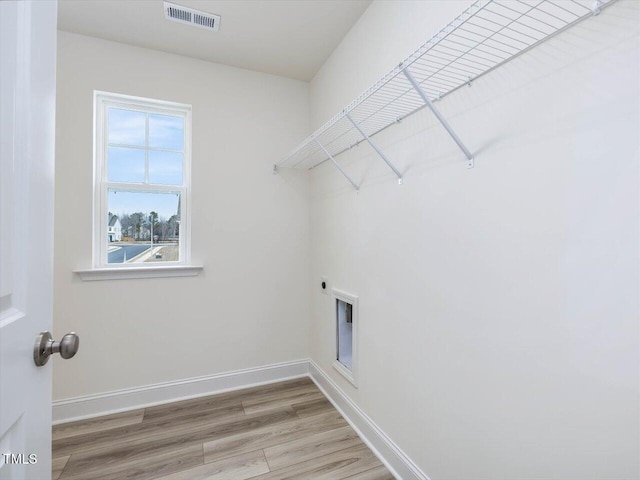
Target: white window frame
<point x="351" y="375"/>
<point x="101" y="185"/>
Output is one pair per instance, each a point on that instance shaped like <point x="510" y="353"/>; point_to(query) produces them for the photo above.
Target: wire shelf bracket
<point x="488" y="34"/>
<point x="375" y="147"/>
<point x="355" y="185"/>
<point x="439" y="116"/>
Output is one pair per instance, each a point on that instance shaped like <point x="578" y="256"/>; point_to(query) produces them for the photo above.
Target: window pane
<point x="143" y="227"/>
<point x="127" y="127"/>
<point x="125" y="164"/>
<point x="165" y="168"/>
<point x="166" y="132"/>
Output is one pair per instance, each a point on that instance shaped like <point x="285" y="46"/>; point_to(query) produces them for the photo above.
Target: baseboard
<point x="398" y="463"/>
<point x="89" y="406"/>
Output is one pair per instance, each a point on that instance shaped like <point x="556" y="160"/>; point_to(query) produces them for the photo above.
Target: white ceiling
<point x="292" y="38"/>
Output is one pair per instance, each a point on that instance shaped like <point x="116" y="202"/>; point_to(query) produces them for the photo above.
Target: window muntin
<point x="142" y="182"/>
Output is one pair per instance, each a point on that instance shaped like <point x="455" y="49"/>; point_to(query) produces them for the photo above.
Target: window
<point x="141" y="189"/>
<point x="346" y="331"/>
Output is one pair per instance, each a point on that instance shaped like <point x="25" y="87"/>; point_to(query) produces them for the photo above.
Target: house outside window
<point x="142" y="163"/>
<point x="114" y="232"/>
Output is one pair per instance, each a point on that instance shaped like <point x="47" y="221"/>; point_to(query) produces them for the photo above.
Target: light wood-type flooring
<point x="286" y="430"/>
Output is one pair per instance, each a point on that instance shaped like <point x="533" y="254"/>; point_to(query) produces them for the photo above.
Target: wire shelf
<point x="483" y="37"/>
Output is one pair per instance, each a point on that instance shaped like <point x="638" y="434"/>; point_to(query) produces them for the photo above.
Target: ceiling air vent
<point x="189" y="16"/>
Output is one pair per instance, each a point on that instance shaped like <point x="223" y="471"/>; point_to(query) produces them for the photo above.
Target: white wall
<point x="250" y="228"/>
<point x="499" y="305"/>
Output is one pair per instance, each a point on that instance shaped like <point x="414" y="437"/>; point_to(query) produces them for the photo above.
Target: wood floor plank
<point x="334" y="466"/>
<point x="268" y="388"/>
<point x="271" y="435"/>
<point x="378" y="473"/>
<point x="241" y="467"/>
<point x="94" y="462"/>
<point x="141" y="448"/>
<point x="251" y="395"/>
<point x="266" y="405"/>
<point x="313" y="407"/>
<point x="57" y="466"/>
<point x="260" y="397"/>
<point x="96" y="424"/>
<point x="311" y="446"/>
<point x="247" y="393"/>
<point x="188" y="407"/>
<point x="160" y="428"/>
<point x="147" y="468"/>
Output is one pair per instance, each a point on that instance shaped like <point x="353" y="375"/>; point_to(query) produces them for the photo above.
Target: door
<point x="27" y="119"/>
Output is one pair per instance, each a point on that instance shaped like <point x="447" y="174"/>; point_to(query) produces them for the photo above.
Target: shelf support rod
<point x="355" y="185"/>
<point x="375" y="147"/>
<point x="439" y="116"/>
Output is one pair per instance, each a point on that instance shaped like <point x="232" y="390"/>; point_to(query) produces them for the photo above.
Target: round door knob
<point x="68" y="346"/>
<point x="45" y="347"/>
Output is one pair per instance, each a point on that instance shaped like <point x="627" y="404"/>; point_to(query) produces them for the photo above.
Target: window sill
<point x="116" y="273"/>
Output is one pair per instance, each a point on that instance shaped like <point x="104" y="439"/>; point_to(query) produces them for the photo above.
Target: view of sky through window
<point x="165" y="167"/>
<point x="126" y="164"/>
<point x="166" y="132"/>
<point x="127" y="127"/>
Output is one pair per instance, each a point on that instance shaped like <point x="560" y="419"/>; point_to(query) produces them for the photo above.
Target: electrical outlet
<point x="324" y="285"/>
